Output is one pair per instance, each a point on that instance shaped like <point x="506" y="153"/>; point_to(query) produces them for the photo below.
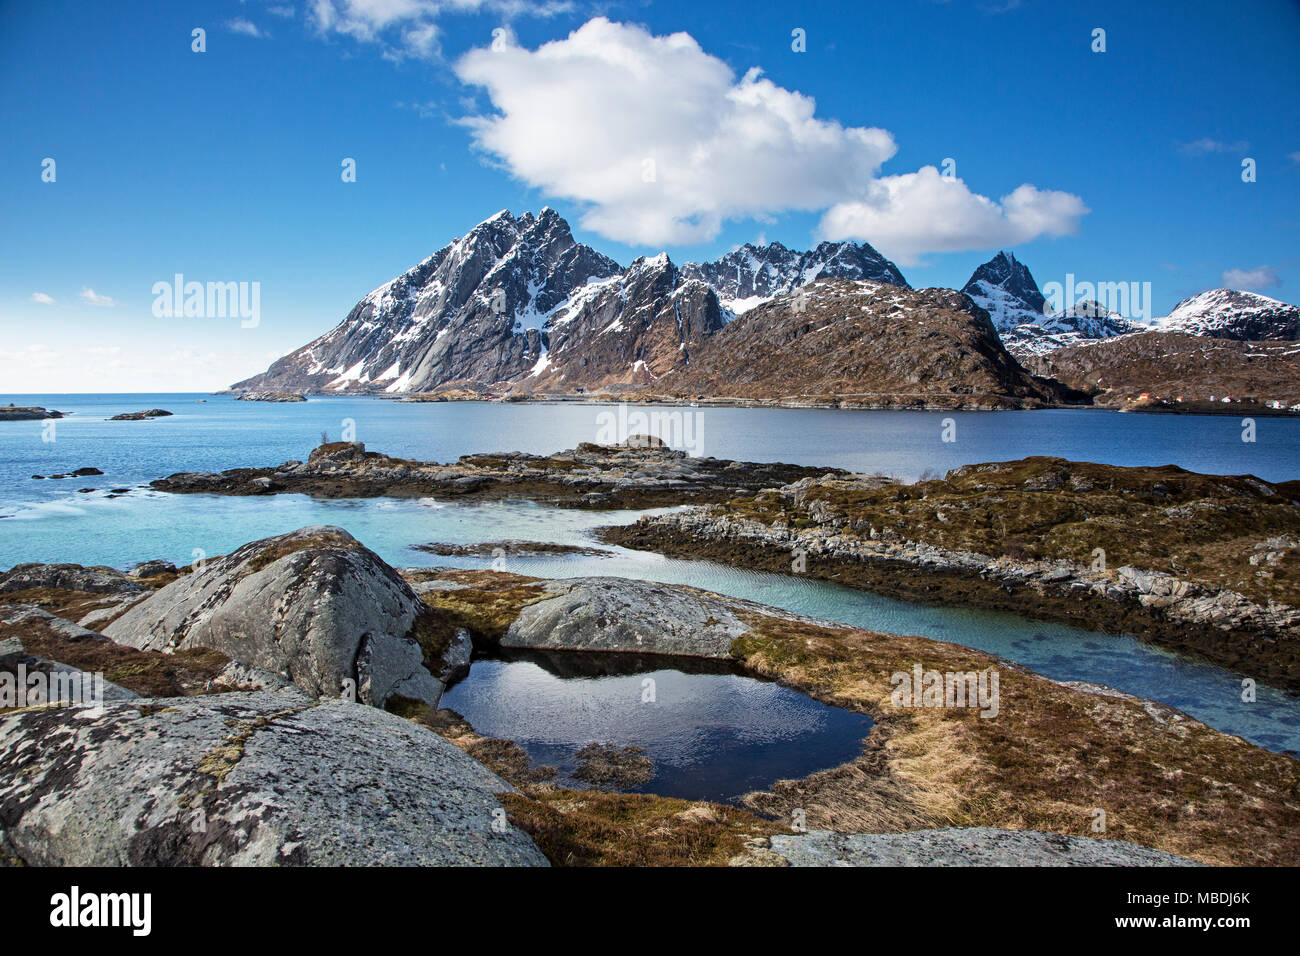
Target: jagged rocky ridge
<point x="752" y="275"/>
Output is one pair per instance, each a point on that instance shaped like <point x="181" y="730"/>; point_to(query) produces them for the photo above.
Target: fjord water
<point x="710" y="736"/>
<point x="53" y="521"/>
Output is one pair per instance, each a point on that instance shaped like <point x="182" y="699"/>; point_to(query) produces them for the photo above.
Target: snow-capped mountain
<point x="518" y="301"/>
<point x="1005" y="288"/>
<point x="752" y="275"/>
<point x="1228" y="314"/>
<point x="514" y="299"/>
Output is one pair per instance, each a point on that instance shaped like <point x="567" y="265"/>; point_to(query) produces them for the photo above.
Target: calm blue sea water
<point x="52" y="521"/>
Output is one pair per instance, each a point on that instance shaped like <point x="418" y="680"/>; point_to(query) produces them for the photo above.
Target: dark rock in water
<point x="149" y="569"/>
<point x="26" y="413"/>
<point x="140" y="416"/>
<point x="314" y="605"/>
<point x="242" y="779"/>
<point x="79" y="473"/>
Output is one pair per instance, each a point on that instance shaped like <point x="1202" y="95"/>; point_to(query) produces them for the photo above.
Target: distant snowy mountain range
<point x="518" y="304"/>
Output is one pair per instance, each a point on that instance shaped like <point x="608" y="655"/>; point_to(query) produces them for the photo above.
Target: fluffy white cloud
<point x="663" y="143"/>
<point x="658" y="136"/>
<point x="41" y="298"/>
<point x="915" y="213"/>
<point x="91" y="297"/>
<point x="1262" y="277"/>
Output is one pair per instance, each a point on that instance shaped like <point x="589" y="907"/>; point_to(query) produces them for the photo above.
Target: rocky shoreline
<point x="905" y="541"/>
<point x="640" y="474"/>
<point x="244" y="736"/>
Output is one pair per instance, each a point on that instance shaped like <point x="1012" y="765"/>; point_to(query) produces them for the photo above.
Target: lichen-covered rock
<point x="245" y="779"/>
<point x="972" y="846"/>
<point x="66" y="577"/>
<point x="618" y="614"/>
<point x="314" y="605"/>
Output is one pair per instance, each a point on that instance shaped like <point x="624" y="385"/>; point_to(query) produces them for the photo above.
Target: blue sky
<point x="225" y="165"/>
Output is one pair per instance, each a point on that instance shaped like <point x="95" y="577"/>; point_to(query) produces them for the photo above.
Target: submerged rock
<point x="245" y="779"/>
<point x="314" y="605"/>
<point x="973" y="846"/>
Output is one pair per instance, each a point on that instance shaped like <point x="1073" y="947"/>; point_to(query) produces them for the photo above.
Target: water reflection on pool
<point x="711" y="733"/>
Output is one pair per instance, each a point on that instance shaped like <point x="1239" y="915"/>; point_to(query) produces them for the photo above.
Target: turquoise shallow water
<point x="52" y="521"/>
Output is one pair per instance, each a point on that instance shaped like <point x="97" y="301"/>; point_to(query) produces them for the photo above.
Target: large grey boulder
<point x="66" y="577"/>
<point x="971" y="846"/>
<point x="619" y="614"/>
<point x="245" y="779"/>
<point x="314" y="605"/>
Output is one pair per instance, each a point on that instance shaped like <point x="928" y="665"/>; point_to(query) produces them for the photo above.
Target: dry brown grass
<point x="589" y="828"/>
<point x="1050" y="758"/>
<point x="148" y="673"/>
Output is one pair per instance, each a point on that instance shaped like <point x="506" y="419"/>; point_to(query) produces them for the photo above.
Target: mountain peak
<point x="1233" y="314"/>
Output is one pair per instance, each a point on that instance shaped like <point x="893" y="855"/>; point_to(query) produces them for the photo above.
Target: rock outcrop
<point x="26" y="413"/>
<point x="1197" y="562"/>
<point x="973" y="846"/>
<point x="68" y="577"/>
<point x="314" y="605"/>
<point x="264" y="396"/>
<point x="635" y="474"/>
<point x="245" y="779"/>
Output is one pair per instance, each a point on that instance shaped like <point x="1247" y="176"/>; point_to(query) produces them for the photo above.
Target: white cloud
<point x="1261" y="277"/>
<point x="1294" y="157"/>
<point x="403" y="28"/>
<point x="246" y="27"/>
<point x="91" y="297"/>
<point x="31" y="358"/>
<point x="1205" y="146"/>
<point x="591" y="117"/>
<point x="908" y="215"/>
<point x="285" y="11"/>
<point x="41" y="298"/>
